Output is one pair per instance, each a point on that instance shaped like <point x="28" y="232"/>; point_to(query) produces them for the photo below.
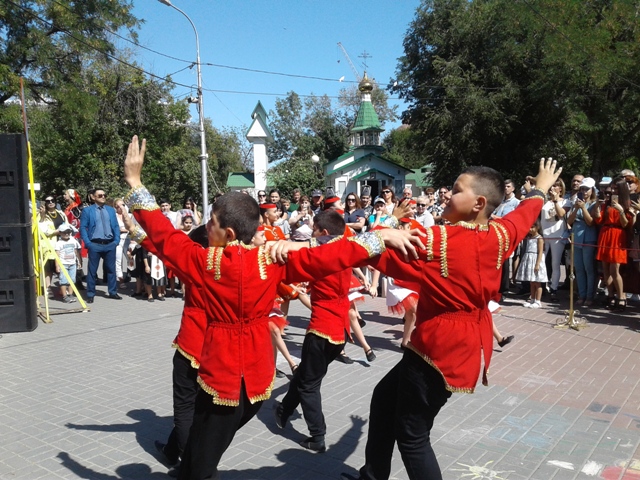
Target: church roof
<point x="367" y="118"/>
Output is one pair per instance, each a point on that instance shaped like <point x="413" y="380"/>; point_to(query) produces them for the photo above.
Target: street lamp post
<point x="203" y="145"/>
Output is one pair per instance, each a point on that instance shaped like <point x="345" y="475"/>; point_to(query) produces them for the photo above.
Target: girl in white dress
<point x="532" y="268"/>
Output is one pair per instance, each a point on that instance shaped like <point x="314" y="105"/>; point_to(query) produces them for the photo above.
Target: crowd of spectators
<point x="601" y="217"/>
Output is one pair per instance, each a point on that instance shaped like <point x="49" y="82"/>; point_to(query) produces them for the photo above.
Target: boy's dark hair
<point x="329" y="220"/>
<point x="488" y="183"/>
<point x="200" y="236"/>
<point x="163" y="200"/>
<point x="239" y="212"/>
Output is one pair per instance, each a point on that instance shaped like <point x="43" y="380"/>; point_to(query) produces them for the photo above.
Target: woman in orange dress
<point x="613" y="214"/>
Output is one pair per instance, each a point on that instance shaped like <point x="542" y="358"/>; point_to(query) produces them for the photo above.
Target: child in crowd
<point x="68" y="251"/>
<point x="532" y="267"/>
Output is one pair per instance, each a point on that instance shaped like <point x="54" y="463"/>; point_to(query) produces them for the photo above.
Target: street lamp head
<point x="315" y="158"/>
<point x="166" y="2"/>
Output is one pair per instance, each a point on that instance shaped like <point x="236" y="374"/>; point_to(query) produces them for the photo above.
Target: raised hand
<point x="403" y="209"/>
<point x="547" y="174"/>
<point x="134" y="161"/>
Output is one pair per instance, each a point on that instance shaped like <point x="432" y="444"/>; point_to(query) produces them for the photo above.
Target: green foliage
<point x="80" y="138"/>
<point x="402" y="147"/>
<point x="300" y="173"/>
<point x="502" y="83"/>
<point x="47" y="41"/>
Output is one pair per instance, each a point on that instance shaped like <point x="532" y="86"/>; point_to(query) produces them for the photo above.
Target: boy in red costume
<point x="458" y="273"/>
<point x="323" y="341"/>
<point x="238" y="283"/>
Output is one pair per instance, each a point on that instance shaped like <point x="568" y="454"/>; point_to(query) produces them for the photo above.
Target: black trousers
<point x="403" y="407"/>
<point x="304" y="389"/>
<point x="213" y="429"/>
<point x="185" y="389"/>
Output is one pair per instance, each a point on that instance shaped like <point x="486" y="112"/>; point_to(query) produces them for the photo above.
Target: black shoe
<point x="309" y="444"/>
<point x="506" y="340"/>
<point x="280" y="374"/>
<point x="163" y="457"/>
<point x="362" y="323"/>
<point x="370" y="355"/>
<point x="344" y="359"/>
<point x="553" y="294"/>
<point x="281" y="420"/>
<point x="89" y="300"/>
<point x="115" y="296"/>
<point x="174" y="472"/>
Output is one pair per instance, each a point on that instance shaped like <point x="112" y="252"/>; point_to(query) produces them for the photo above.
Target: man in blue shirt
<point x="101" y="234"/>
<point x="508" y="205"/>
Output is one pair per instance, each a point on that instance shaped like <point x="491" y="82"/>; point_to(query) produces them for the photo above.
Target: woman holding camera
<point x="585" y="238"/>
<point x="612" y="211"/>
<point x="301" y="221"/>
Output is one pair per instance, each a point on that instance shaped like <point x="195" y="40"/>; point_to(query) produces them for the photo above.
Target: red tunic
<point x="273" y="233"/>
<point x="238" y="284"/>
<point x="194" y="320"/>
<point x="458" y="274"/>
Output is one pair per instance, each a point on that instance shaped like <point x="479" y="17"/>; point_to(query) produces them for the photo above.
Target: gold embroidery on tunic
<point x="444" y="266"/>
<point x="267" y="393"/>
<point x="472" y="226"/>
<point x="325" y="336"/>
<point x="214" y="259"/>
<point x="191" y="358"/>
<point x="500" y="245"/>
<point x="429" y="244"/>
<point x="430" y="362"/>
<point x="217" y="400"/>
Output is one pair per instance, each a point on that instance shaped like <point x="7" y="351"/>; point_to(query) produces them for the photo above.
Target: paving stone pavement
<point x="86" y="396"/>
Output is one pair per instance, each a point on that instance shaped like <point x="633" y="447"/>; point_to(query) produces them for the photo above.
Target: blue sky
<point x="294" y="37"/>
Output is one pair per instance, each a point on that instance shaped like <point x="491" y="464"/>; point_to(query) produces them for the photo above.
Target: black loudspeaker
<point x="16" y="251"/>
<point x="14" y="179"/>
<point x="18" y="311"/>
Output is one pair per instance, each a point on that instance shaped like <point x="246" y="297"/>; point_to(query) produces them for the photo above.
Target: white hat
<point x="65" y="227"/>
<point x="379" y="200"/>
<point x="588" y="182"/>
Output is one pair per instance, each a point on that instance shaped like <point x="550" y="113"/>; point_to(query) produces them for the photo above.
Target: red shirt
<point x="194" y="320"/>
<point x="238" y="284"/>
<point x="458" y="274"/>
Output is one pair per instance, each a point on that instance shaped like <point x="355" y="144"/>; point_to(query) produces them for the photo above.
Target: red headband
<point x="267" y="206"/>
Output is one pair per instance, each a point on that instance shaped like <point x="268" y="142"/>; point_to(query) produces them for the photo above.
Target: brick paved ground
<point x="86" y="396"/>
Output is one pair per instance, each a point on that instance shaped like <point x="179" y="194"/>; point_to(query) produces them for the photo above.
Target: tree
<point x="47" y="41"/>
<point x="400" y="147"/>
<point x="502" y="83"/>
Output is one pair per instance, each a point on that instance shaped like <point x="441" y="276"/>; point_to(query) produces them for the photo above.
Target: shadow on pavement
<point x="298" y="462"/>
<point x="133" y="470"/>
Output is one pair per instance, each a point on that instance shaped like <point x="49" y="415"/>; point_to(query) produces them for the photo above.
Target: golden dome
<point x="365" y="85"/>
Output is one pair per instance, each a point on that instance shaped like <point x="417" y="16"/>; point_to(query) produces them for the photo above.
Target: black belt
<point x="99" y="240"/>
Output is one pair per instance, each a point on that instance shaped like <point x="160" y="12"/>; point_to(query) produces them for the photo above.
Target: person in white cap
<point x="68" y="250"/>
<point x="585" y="238"/>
